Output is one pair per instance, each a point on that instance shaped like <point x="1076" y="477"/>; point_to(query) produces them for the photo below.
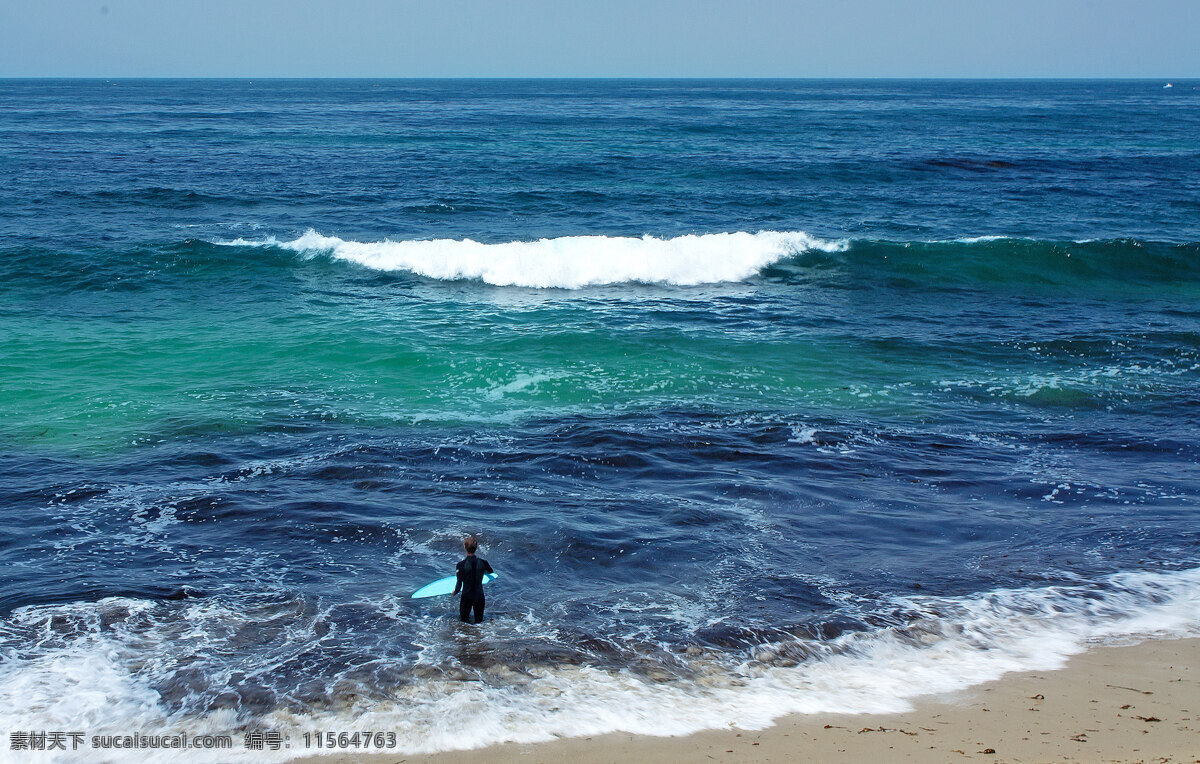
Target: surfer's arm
<point x="487" y="567"/>
<point x="457" y="583"/>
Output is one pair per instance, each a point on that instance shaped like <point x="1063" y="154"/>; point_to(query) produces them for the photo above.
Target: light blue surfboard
<point x="445" y="586"/>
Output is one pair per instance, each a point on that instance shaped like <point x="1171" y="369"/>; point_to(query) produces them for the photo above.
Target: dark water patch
<point x="969" y="163"/>
<point x="150" y="196"/>
<point x="942" y="266"/>
<point x="553" y="480"/>
<point x="189" y="269"/>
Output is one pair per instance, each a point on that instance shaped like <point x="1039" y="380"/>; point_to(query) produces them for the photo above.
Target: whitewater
<point x="569" y="262"/>
<point x="934" y="646"/>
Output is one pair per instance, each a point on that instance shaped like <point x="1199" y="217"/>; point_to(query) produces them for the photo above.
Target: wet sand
<point x="1111" y="704"/>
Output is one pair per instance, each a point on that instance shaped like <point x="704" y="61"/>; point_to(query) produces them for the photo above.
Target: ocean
<point x="762" y="397"/>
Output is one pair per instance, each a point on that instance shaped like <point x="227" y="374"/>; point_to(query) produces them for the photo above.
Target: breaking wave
<point x="575" y="262"/>
<point x="571" y="262"/>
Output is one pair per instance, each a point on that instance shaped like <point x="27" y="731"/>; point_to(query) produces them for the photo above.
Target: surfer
<point x="471" y="570"/>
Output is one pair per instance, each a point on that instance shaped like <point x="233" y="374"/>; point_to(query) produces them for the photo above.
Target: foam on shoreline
<point x="119" y="655"/>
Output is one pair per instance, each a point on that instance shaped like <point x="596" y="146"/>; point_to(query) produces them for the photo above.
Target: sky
<point x="600" y="38"/>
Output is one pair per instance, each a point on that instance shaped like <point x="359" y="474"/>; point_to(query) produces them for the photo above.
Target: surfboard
<point x="445" y="586"/>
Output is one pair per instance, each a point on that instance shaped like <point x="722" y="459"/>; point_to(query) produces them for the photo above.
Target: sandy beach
<point x="1112" y="704"/>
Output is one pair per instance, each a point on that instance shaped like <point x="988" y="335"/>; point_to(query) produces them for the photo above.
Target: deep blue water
<point x="732" y="378"/>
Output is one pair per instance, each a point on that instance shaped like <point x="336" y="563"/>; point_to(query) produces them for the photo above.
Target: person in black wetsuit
<point x="470" y="581"/>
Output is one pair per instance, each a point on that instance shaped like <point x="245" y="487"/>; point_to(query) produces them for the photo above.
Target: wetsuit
<point x="470" y="582"/>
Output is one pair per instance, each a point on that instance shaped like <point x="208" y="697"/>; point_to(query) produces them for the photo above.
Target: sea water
<point x="764" y="397"/>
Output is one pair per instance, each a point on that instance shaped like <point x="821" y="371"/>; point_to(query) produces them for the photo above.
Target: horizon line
<point x="997" y="78"/>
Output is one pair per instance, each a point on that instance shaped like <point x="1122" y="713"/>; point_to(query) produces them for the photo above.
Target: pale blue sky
<point x="601" y="38"/>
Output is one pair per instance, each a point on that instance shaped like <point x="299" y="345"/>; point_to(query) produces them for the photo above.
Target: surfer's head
<point x="470" y="544"/>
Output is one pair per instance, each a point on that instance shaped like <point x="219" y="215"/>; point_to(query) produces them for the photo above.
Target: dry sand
<point x="1122" y="704"/>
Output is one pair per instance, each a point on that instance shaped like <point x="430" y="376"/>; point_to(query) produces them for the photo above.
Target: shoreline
<point x="1128" y="703"/>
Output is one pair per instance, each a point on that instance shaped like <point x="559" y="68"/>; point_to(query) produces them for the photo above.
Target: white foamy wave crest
<point x="571" y="262"/>
<point x="98" y="666"/>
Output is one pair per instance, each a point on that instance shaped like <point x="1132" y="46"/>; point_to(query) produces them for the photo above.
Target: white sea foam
<point x="94" y="666"/>
<point x="980" y="239"/>
<point x="521" y="383"/>
<point x="570" y="262"/>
